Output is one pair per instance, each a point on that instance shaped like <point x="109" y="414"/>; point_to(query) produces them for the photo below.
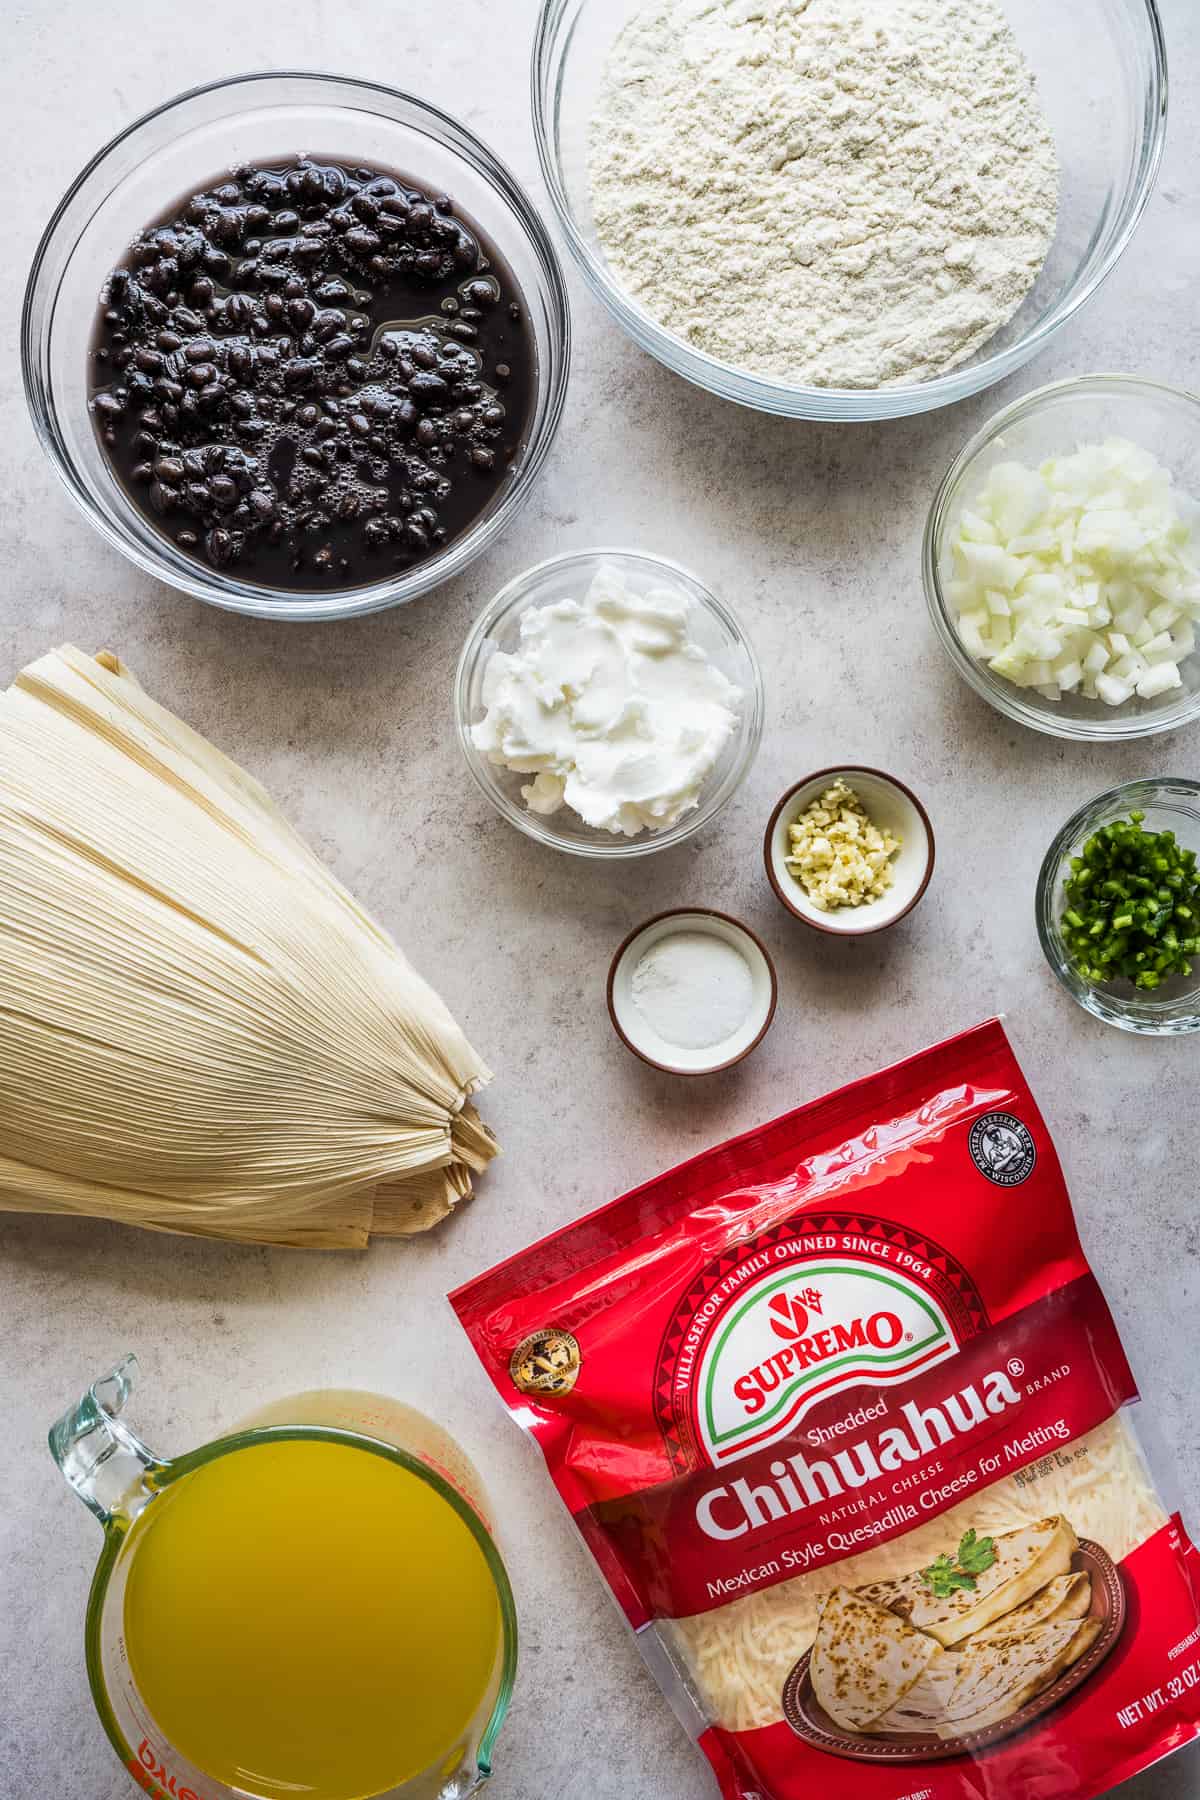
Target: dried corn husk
<point x="200" y="1029"/>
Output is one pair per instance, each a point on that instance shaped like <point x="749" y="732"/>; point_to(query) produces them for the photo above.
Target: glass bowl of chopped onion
<point x="1120" y="941"/>
<point x="730" y="240"/>
<point x="1062" y="559"/>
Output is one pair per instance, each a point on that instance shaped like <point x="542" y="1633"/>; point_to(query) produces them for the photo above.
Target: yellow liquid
<point x="309" y="1621"/>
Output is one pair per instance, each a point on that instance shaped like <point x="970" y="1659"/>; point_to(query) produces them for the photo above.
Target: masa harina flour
<point x="842" y="193"/>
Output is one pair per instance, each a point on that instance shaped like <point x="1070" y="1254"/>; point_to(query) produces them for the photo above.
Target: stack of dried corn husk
<point x="200" y="1030"/>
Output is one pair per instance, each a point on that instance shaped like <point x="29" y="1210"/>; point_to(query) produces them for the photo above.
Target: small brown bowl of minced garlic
<point x="849" y="851"/>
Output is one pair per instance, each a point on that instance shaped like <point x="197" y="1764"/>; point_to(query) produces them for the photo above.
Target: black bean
<point x="299" y="371"/>
<point x="169" y="469"/>
<point x="362" y="241"/>
<point x="197" y="496"/>
<point x="187" y="540"/>
<point x="301" y="313"/>
<point x="201" y="293"/>
<point x="219" y="547"/>
<point x="428" y="389"/>
<point x="224" y="491"/>
<point x="226" y="227"/>
<point x="142" y="473"/>
<point x="482" y="457"/>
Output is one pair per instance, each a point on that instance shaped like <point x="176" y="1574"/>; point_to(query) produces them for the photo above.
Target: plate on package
<point x="809" y="1720"/>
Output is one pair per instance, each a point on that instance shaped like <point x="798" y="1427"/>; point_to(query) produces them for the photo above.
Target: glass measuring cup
<point x="118" y="1479"/>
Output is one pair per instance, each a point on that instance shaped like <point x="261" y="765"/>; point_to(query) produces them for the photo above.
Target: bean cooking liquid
<point x="313" y="375"/>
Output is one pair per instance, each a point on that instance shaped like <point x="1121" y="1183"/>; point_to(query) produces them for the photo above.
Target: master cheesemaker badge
<point x="546" y="1362"/>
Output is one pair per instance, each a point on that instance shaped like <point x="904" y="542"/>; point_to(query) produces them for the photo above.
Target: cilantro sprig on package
<point x="946" y="1574"/>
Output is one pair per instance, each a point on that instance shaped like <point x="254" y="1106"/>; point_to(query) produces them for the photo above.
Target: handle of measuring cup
<point x="100" y="1458"/>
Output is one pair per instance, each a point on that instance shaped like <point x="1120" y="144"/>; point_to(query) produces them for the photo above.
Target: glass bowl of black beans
<point x="297" y="345"/>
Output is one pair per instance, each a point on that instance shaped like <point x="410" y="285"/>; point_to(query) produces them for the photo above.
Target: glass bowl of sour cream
<point x="608" y="703"/>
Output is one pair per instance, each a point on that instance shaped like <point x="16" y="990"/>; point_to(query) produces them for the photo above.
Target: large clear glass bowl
<point x="1053" y="421"/>
<point x="182" y="146"/>
<point x="714" y="629"/>
<point x="1170" y="803"/>
<point x="1101" y="71"/>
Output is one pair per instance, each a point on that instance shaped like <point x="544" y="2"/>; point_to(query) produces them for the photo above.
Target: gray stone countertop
<point x="813" y="534"/>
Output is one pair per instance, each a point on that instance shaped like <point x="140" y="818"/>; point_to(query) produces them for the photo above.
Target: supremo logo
<point x="795" y="1335"/>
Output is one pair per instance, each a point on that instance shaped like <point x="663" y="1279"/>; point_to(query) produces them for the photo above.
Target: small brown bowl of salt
<point x="692" y="991"/>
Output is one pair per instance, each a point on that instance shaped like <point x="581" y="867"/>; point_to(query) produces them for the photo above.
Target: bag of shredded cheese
<point x="842" y="1415"/>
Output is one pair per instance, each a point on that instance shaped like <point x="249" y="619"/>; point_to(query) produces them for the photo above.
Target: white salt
<point x="693" y="990"/>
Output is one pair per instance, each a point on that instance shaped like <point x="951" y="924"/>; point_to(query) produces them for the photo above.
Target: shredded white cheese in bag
<point x="739" y="1656"/>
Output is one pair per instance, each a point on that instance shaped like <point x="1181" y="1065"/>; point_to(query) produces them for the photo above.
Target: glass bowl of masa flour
<point x="848" y="209"/>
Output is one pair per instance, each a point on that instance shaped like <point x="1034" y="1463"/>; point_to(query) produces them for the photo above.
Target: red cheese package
<point x="842" y="1415"/>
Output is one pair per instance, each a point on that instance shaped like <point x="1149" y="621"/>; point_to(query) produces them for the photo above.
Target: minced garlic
<point x="838" y="855"/>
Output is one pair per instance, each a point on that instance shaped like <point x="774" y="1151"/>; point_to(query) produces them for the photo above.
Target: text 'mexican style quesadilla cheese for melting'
<point x="843" y="1417"/>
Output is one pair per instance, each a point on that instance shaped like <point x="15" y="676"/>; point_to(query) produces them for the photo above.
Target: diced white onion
<point x="1080" y="576"/>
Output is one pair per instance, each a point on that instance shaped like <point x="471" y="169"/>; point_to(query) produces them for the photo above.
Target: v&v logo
<point x="790" y="1313"/>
